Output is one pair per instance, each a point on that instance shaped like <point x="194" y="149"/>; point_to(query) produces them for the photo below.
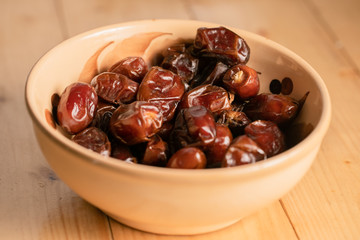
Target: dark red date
<point x="212" y="97"/>
<point x="267" y="135"/>
<point x="222" y="44"/>
<point x="134" y="68"/>
<point x="235" y="120"/>
<point x="181" y="62"/>
<point x="279" y="109"/>
<point x="242" y="81"/>
<point x="77" y="107"/>
<point x="243" y="150"/>
<point x="115" y="88"/>
<point x="216" y="153"/>
<point x="94" y="139"/>
<point x="164" y="89"/>
<point x="156" y="152"/>
<point x="187" y="158"/>
<point x="136" y="122"/>
<point x="195" y="127"/>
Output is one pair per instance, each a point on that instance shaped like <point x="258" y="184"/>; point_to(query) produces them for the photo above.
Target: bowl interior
<point x="81" y="56"/>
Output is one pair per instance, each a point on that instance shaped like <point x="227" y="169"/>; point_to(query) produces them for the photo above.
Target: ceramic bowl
<point x="162" y="200"/>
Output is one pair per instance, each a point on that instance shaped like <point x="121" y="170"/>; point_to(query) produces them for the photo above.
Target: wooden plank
<point x="343" y="27"/>
<point x="268" y="223"/>
<point x="85" y="15"/>
<point x="325" y="204"/>
<point x="34" y="203"/>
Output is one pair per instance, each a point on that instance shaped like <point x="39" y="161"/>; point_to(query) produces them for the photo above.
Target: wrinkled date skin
<point x="243" y="150"/>
<point x="163" y="88"/>
<point x="135" y="68"/>
<point x="136" y="122"/>
<point x="181" y="62"/>
<point x="212" y="97"/>
<point x="156" y="152"/>
<point x="279" y="109"/>
<point x="94" y="139"/>
<point x="235" y="120"/>
<point x="77" y="107"/>
<point x="242" y="81"/>
<point x="267" y="135"/>
<point x="222" y="44"/>
<point x="122" y="152"/>
<point x="103" y="115"/>
<point x="187" y="158"/>
<point x="195" y="127"/>
<point x="115" y="88"/>
<point x="215" y="154"/>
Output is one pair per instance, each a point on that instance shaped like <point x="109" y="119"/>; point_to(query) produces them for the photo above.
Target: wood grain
<point x="35" y="204"/>
<point x="268" y="223"/>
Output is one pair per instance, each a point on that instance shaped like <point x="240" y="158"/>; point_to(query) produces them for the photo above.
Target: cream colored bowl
<point x="161" y="200"/>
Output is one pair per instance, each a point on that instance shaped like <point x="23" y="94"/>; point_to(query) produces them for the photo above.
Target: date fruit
<point x="94" y="139"/>
<point x="164" y="89"/>
<point x="136" y="122"/>
<point x="212" y="97"/>
<point x="194" y="127"/>
<point x="156" y="152"/>
<point x="222" y="44"/>
<point x="279" y="109"/>
<point x="115" y="88"/>
<point x="242" y="81"/>
<point x="187" y="158"/>
<point x="181" y="62"/>
<point x="134" y="68"/>
<point x="215" y="154"/>
<point x="235" y="120"/>
<point x="77" y="107"/>
<point x="243" y="150"/>
<point x="267" y="135"/>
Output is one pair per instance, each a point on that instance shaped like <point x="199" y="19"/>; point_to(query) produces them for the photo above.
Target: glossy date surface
<point x="212" y="97"/>
<point x="267" y="135"/>
<point x="136" y="122"/>
<point x="94" y="139"/>
<point x="279" y="109"/>
<point x="134" y="68"/>
<point x="194" y="126"/>
<point x="187" y="158"/>
<point x="77" y="106"/>
<point x="243" y="150"/>
<point x="223" y="44"/>
<point x="115" y="88"/>
<point x="164" y="89"/>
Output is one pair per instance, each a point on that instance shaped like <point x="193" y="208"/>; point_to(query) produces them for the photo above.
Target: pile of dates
<point x="199" y="107"/>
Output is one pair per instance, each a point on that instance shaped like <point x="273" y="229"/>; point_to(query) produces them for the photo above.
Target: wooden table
<point x="35" y="204"/>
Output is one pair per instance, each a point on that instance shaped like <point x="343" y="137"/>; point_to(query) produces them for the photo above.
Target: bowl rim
<point x="113" y="164"/>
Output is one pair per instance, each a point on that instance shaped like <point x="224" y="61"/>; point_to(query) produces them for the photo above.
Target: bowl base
<point x="174" y="230"/>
